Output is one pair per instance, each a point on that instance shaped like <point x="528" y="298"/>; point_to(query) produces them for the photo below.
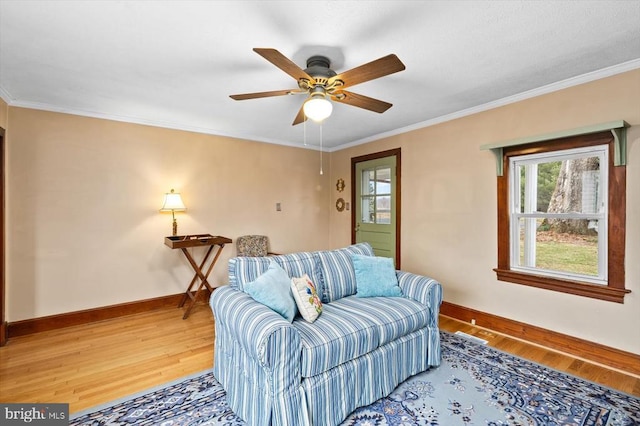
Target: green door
<point x="375" y="205"/>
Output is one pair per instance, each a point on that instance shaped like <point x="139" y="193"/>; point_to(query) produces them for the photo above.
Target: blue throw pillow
<point x="273" y="289"/>
<point x="375" y="276"/>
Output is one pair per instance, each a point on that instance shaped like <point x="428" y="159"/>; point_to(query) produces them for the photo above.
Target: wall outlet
<point x="278" y="207"/>
<point x="473" y="321"/>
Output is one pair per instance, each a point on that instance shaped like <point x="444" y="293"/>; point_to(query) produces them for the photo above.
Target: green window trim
<point x="618" y="130"/>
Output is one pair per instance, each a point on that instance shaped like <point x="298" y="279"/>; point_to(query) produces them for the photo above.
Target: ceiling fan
<point x="320" y="82"/>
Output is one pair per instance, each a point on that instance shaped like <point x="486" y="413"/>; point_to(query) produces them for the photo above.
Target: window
<point x="561" y="216"/>
<point x="375" y="199"/>
<point x="558" y="225"/>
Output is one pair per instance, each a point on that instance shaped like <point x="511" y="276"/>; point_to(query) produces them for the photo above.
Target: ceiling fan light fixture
<point x="317" y="107"/>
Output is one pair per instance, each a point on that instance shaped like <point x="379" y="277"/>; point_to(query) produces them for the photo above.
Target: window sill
<point x="594" y="291"/>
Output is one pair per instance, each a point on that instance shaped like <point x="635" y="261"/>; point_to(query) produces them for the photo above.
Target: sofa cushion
<point x="246" y="269"/>
<point x="337" y="336"/>
<point x="393" y="317"/>
<point x="375" y="276"/>
<point x="338" y="275"/>
<point x="352" y="326"/>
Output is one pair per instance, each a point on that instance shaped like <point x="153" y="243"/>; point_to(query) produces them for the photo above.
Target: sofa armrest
<point x="428" y="292"/>
<point x="422" y="289"/>
<point x="263" y="334"/>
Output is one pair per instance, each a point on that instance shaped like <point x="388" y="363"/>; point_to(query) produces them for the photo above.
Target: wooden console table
<point x="201" y="240"/>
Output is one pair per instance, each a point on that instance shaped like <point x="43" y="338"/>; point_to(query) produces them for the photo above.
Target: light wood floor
<point x="94" y="364"/>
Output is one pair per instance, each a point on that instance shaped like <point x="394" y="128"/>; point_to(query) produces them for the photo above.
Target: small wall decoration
<point x="340" y="204"/>
<point x="340" y="185"/>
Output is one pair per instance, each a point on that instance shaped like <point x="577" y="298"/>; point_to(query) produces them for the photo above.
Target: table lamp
<point x="173" y="203"/>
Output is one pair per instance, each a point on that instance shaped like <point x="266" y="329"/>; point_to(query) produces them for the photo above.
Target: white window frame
<point x="528" y="213"/>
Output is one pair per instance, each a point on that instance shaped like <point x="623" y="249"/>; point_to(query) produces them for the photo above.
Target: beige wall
<point x="449" y="208"/>
<point x="84" y="229"/>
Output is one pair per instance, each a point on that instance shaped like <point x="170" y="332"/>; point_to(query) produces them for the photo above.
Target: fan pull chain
<point x="321" y="173"/>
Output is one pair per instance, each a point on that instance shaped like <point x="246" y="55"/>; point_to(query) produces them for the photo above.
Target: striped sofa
<point x="356" y="352"/>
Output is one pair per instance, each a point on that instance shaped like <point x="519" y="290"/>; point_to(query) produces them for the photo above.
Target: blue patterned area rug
<point x="475" y="385"/>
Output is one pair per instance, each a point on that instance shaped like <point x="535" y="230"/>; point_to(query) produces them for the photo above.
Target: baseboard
<point x="605" y="355"/>
<point x="36" y="325"/>
<point x="3" y="333"/>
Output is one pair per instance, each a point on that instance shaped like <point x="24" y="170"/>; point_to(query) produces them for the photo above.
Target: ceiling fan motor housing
<point x="318" y="66"/>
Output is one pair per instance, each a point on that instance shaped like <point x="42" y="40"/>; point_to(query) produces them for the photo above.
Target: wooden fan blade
<point x="284" y="63"/>
<point x="362" y="101"/>
<point x="300" y="117"/>
<point x="244" y="96"/>
<point x="379" y="68"/>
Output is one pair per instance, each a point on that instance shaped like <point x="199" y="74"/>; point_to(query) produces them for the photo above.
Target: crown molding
<point x="6" y="96"/>
<point x="543" y="90"/>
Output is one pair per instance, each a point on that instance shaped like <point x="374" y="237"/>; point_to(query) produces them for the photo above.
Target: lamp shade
<point x="172" y="202"/>
<point x="317" y="108"/>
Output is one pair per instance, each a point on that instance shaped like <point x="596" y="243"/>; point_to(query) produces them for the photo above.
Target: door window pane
<point x="368" y="182"/>
<point x="368" y="210"/>
<point x="383" y="209"/>
<point x="375" y="201"/>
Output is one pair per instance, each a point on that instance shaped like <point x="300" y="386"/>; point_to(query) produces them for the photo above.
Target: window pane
<point x="520" y="172"/>
<point x="541" y="246"/>
<point x="578" y="187"/>
<point x="569" y="186"/>
<point x="383" y="187"/>
<point x="368" y="209"/>
<point x="383" y="180"/>
<point x="368" y="182"/>
<point x="383" y="209"/>
<point x="537" y="185"/>
<point x="547" y="178"/>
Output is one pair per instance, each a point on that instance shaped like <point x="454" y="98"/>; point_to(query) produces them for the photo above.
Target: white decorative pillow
<point x="304" y="292"/>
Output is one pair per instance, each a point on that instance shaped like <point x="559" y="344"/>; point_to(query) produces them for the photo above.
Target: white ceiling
<point x="175" y="63"/>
